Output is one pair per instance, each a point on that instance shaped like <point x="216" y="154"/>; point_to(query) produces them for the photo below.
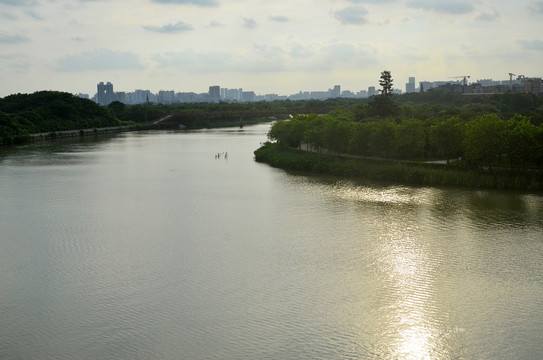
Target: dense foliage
<point x="482" y="133"/>
<point x="484" y="141"/>
<point x="48" y="111"/>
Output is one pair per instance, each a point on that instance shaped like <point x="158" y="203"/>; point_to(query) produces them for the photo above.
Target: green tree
<point x="447" y="137"/>
<point x="360" y="136"/>
<point x="382" y="107"/>
<point x="485" y="140"/>
<point x="289" y="132"/>
<point x="382" y="138"/>
<point x="386" y="83"/>
<point x="337" y="135"/>
<point x="314" y="132"/>
<point x="410" y="138"/>
<point x="521" y="141"/>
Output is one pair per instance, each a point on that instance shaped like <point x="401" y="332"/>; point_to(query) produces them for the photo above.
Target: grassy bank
<point x="395" y="171"/>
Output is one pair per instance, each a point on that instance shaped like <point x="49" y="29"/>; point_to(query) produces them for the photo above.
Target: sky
<point x="279" y="46"/>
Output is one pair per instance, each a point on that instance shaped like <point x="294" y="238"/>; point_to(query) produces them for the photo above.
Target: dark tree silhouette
<point x="386" y="83"/>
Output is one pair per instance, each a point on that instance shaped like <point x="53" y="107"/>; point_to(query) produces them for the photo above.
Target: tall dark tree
<point x="386" y="83"/>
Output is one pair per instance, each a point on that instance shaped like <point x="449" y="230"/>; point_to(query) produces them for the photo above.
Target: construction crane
<point x="511" y="81"/>
<point x="465" y="77"/>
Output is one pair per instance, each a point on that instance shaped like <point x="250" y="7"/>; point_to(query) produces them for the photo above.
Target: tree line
<point x="49" y="111"/>
<point x="484" y="140"/>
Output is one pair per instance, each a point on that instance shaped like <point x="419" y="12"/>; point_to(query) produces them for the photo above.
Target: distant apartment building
<point x="105" y="94"/>
<point x="362" y="94"/>
<point x="487" y="86"/>
<point x="166" y="97"/>
<point x="410" y="86"/>
<point x="231" y="94"/>
<point x="248" y="96"/>
<point x="531" y="85"/>
<point x="187" y="97"/>
<point x="348" y="94"/>
<point x="120" y="96"/>
<point x="214" y="93"/>
<point x="372" y="91"/>
<point x="300" y="96"/>
<point x="335" y="92"/>
<point x="139" y="97"/>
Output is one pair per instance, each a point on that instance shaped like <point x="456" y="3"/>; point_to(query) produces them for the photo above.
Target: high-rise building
<point x="248" y="96"/>
<point x="335" y="92"/>
<point x="105" y="94"/>
<point x="371" y="91"/>
<point x="166" y="97"/>
<point x="214" y="93"/>
<point x="410" y="86"/>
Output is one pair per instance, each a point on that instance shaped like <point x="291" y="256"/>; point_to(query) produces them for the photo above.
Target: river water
<point x="144" y="245"/>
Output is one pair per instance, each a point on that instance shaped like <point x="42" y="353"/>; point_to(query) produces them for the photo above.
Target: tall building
<point x="410" y="86"/>
<point x="248" y="96"/>
<point x="335" y="92"/>
<point x="214" y="93"/>
<point x="166" y="97"/>
<point x="371" y="91"/>
<point x="531" y="85"/>
<point x="105" y="94"/>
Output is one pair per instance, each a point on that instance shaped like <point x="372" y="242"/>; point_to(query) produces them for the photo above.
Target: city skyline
<point x="106" y="94"/>
<point x="281" y="47"/>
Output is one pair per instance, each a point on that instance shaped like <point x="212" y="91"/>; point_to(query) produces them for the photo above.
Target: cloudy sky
<point x="279" y="46"/>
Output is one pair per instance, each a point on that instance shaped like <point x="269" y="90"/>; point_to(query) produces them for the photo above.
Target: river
<point x="145" y="245"/>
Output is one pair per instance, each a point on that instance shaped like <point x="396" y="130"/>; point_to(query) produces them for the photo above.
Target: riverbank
<point x="395" y="171"/>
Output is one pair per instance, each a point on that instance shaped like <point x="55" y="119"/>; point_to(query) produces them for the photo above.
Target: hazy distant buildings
<point x="139" y="97"/>
<point x="105" y="94"/>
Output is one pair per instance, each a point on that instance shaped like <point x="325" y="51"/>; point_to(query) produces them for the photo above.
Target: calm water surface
<point x="145" y="246"/>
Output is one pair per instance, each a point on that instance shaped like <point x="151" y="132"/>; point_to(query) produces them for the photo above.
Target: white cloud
<point x="17" y="62"/>
<point x="536" y="45"/>
<point x="34" y="15"/>
<point x="537" y="6"/>
<point x="443" y="6"/>
<point x="356" y="15"/>
<point x="259" y="58"/>
<point x="12" y="38"/>
<point x="204" y="3"/>
<point x="100" y="60"/>
<point x="380" y="2"/>
<point x="7" y="16"/>
<point x="249" y="23"/>
<point x="170" y="28"/>
<point x="19" y="2"/>
<point x="488" y="16"/>
<point x="279" y="18"/>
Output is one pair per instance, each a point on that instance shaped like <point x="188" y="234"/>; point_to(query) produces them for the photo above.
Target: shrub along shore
<point x="395" y="171"/>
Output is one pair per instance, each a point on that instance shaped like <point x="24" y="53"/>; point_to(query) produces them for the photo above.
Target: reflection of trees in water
<point x="503" y="209"/>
